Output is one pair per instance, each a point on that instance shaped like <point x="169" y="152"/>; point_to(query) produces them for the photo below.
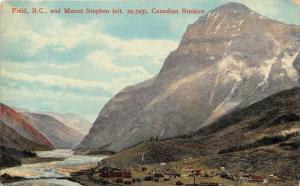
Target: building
<point x="255" y="178"/>
<point x="108" y="172"/>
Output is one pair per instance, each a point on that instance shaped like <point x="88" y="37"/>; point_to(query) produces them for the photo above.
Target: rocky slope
<point x="262" y="138"/>
<point x="229" y="58"/>
<point x="57" y="132"/>
<point x="17" y="133"/>
<point x="72" y="120"/>
<point x="11" y="139"/>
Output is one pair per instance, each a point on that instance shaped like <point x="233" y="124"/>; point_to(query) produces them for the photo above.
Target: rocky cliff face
<point x="229" y="58"/>
<point x="17" y="133"/>
<point x="33" y="131"/>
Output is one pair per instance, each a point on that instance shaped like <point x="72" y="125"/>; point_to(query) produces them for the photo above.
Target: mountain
<point x="262" y="138"/>
<point x="17" y="133"/>
<point x="72" y="120"/>
<point x="11" y="139"/>
<point x="57" y="132"/>
<point x="228" y="59"/>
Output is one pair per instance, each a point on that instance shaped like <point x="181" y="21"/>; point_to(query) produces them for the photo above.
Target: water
<point x="55" y="169"/>
<point x="44" y="182"/>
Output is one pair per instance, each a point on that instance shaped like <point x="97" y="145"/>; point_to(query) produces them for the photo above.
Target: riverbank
<point x="40" y="160"/>
<point x="49" y="167"/>
<point x="89" y="177"/>
<point x="6" y="178"/>
<point x="10" y="157"/>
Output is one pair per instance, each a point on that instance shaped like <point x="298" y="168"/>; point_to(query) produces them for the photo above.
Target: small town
<point x="166" y="174"/>
<point x="150" y="93"/>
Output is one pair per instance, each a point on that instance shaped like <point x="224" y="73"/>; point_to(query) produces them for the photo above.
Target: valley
<point x="260" y="140"/>
<point x="224" y="109"/>
<point x="28" y="138"/>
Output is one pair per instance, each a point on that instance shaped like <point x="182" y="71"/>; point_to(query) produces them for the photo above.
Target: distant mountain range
<point x="61" y="135"/>
<point x="25" y="130"/>
<point x="71" y="120"/>
<point x="228" y="59"/>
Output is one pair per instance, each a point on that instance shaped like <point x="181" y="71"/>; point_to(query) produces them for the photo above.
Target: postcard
<point x="150" y="92"/>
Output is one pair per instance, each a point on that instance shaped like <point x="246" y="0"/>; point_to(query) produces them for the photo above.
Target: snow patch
<point x="265" y="69"/>
<point x="233" y="69"/>
<point x="234" y="11"/>
<point x="220" y="23"/>
<point x="216" y="16"/>
<point x="212" y="93"/>
<point x="209" y="27"/>
<point x="208" y="15"/>
<point x="229" y="43"/>
<point x="287" y="64"/>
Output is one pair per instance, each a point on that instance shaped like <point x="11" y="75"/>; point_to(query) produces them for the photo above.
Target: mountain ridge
<point x="16" y="123"/>
<point x="72" y="120"/>
<point x="23" y="126"/>
<point x="222" y="63"/>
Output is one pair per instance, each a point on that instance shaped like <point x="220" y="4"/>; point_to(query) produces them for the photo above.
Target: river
<point x="46" y="173"/>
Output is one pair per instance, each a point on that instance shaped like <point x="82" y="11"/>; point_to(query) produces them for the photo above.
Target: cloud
<point x="297" y="2"/>
<point x="21" y="93"/>
<point x="57" y="33"/>
<point x="134" y="75"/>
<point x="52" y="80"/>
<point x="144" y="47"/>
<point x="158" y="48"/>
<point x="63" y="37"/>
<point x="12" y="65"/>
<point x="104" y="60"/>
<point x="105" y="54"/>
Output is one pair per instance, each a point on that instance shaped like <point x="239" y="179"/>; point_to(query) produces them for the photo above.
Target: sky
<point x="77" y="63"/>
